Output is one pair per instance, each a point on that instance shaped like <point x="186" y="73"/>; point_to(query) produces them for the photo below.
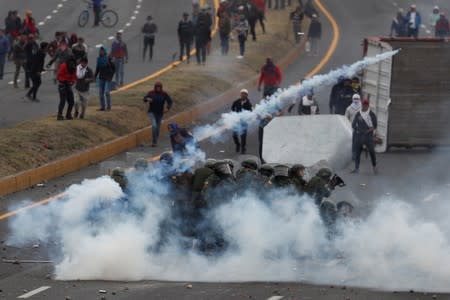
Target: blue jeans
<point x="104" y="90"/>
<point x="225" y="43"/>
<point x="119" y="63"/>
<point x="242" y="39"/>
<point x="156" y="125"/>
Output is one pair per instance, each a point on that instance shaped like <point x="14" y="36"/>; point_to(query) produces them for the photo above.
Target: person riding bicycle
<point x="97" y="6"/>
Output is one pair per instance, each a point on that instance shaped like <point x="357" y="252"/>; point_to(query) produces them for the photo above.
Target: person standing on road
<point x="19" y="57"/>
<point x="185" y="36"/>
<point x="84" y="78"/>
<point x="31" y="48"/>
<point x="364" y="126"/>
<point x="62" y="54"/>
<point x="36" y="68"/>
<point x="434" y="17"/>
<point x="261" y="12"/>
<point x="224" y="32"/>
<point x="308" y="104"/>
<point x="79" y="49"/>
<point x="202" y="34"/>
<point x="399" y="24"/>
<point x="159" y="103"/>
<point x="252" y="17"/>
<point x="350" y="114"/>
<point x="149" y="31"/>
<point x="66" y="79"/>
<point x="104" y="71"/>
<point x="344" y="97"/>
<point x="271" y="76"/>
<point x="241" y="104"/>
<point x="442" y="27"/>
<point x="4" y="50"/>
<point x="314" y="35"/>
<point x="97" y="7"/>
<point x="414" y="20"/>
<point x="297" y="19"/>
<point x="242" y="31"/>
<point x="119" y="53"/>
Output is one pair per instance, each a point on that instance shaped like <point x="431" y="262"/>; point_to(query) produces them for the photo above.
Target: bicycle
<point x="108" y="17"/>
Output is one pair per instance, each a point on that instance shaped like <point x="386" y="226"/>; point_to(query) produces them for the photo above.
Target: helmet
<point x="167" y="158"/>
<point x="118" y="175"/>
<point x="223" y="167"/>
<point x="230" y="163"/>
<point x="250" y="164"/>
<point x="119" y="172"/>
<point x="141" y="164"/>
<point x="281" y="170"/>
<point x="324" y="173"/>
<point x="295" y="168"/>
<point x="266" y="170"/>
<point x="210" y="163"/>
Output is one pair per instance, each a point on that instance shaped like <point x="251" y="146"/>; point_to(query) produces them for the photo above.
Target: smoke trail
<point x="233" y="120"/>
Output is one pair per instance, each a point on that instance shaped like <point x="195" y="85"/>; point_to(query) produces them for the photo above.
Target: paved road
<point x="133" y="13"/>
<point x="409" y="175"/>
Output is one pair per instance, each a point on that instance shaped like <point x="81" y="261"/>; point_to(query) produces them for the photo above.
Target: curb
<point x="26" y="179"/>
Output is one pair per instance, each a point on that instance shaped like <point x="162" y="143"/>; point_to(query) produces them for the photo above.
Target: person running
<point x="149" y="31"/>
<point x="36" y="68"/>
<point x="104" y="71"/>
<point x="66" y="79"/>
<point x="159" y="103"/>
<point x="119" y="53"/>
<point x="271" y="76"/>
<point x="239" y="105"/>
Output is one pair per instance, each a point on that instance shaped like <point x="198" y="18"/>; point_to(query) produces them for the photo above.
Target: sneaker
<point x="375" y="170"/>
<point x="16" y="86"/>
<point x="59" y="118"/>
<point x="355" y="171"/>
<point x="27" y="96"/>
<point x="69" y="117"/>
<point x="154" y="145"/>
<point x="243" y="151"/>
<point x="239" y="57"/>
<point x="75" y="115"/>
<point x="36" y="100"/>
<point x="81" y="116"/>
<point x="108" y="109"/>
<point x="101" y="109"/>
<point x="238" y="148"/>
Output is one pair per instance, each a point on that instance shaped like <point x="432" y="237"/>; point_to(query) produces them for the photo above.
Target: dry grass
<point x="34" y="143"/>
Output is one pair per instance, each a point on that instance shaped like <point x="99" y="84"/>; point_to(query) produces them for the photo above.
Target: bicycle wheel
<point x="109" y="18"/>
<point x="83" y="18"/>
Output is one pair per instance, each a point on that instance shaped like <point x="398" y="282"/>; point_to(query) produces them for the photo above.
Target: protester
<point x="185" y="36"/>
<point x="97" y="7"/>
<point x="356" y="85"/>
<point x="79" y="49"/>
<point x="350" y="114"/>
<point x="261" y="13"/>
<point x="84" y="78"/>
<point x="224" y="32"/>
<point x="414" y="21"/>
<point x="13" y="27"/>
<point x="297" y="19"/>
<point x="442" y="27"/>
<point x="434" y="17"/>
<point x="179" y="138"/>
<point x="31" y="48"/>
<point x="242" y="31"/>
<point x="62" y="54"/>
<point x="251" y="13"/>
<point x="104" y="71"/>
<point x="239" y="105"/>
<point x="149" y="31"/>
<point x="202" y="34"/>
<point x="364" y="126"/>
<point x="308" y="104"/>
<point x="280" y="4"/>
<point x="159" y="103"/>
<point x="314" y="35"/>
<point x="5" y="47"/>
<point x="271" y="77"/>
<point x="343" y="97"/>
<point x="36" y="68"/>
<point x="66" y="79"/>
<point x="119" y="54"/>
<point x="399" y="25"/>
<point x="29" y="25"/>
<point x="19" y="57"/>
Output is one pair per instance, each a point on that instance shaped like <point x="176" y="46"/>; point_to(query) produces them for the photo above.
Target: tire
<point x="83" y="18"/>
<point x="109" y="18"/>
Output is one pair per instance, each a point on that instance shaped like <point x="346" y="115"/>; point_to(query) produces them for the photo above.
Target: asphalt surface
<point x="64" y="17"/>
<point x="411" y="175"/>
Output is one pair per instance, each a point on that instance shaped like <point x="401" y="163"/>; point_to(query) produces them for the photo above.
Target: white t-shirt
<point x="412" y="20"/>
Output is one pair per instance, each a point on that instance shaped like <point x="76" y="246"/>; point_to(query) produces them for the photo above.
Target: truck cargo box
<point x="410" y="93"/>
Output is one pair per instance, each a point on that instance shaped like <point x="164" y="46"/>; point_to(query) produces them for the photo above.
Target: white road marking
<point x="110" y="38"/>
<point x="55" y="11"/>
<point x="133" y="18"/>
<point x="48" y="17"/>
<point x="275" y="298"/>
<point x="34" y="292"/>
<point x="41" y="23"/>
<point x="60" y="5"/>
<point x="394" y="3"/>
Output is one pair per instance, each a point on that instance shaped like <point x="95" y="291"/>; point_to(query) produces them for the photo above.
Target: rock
<point x="102" y="291"/>
<point x="188" y="286"/>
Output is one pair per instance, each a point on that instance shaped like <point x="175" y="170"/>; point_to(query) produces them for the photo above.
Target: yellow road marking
<point x="314" y="71"/>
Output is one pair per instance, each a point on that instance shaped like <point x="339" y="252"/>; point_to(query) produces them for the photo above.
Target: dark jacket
<point x="105" y="72"/>
<point x="237" y="105"/>
<point x="185" y="31"/>
<point x="202" y="31"/>
<point x="149" y="30"/>
<point x="315" y="30"/>
<point x="19" y="53"/>
<point x="343" y="100"/>
<point x="159" y="100"/>
<point x="360" y="126"/>
<point x="37" y="62"/>
<point x="31" y="48"/>
<point x="83" y="84"/>
<point x="4" y="45"/>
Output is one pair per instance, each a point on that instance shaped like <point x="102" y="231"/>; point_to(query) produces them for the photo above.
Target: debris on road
<point x="102" y="291"/>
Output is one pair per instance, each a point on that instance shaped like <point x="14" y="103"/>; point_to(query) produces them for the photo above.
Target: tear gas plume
<point x="98" y="231"/>
<point x="282" y="97"/>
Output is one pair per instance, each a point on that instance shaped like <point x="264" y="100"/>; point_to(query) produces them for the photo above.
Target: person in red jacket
<point x="66" y="78"/>
<point x="271" y="77"/>
<point x="29" y="25"/>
